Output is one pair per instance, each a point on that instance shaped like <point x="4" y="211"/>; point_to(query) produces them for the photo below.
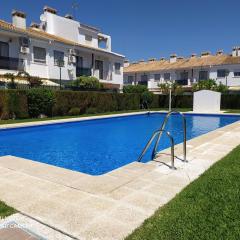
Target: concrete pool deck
<point x="111" y="206"/>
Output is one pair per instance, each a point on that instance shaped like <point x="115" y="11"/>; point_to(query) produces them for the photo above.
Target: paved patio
<point x="111" y="206"/>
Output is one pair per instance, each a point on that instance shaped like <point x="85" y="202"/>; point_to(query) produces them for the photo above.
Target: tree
<point x="209" y="84"/>
<point x="12" y="84"/>
<point x="85" y="82"/>
<point x="33" y="81"/>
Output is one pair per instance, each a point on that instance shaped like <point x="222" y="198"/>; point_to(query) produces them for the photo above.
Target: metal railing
<point x="159" y="132"/>
<point x="154" y="153"/>
<point x="150" y="142"/>
<point x="9" y="63"/>
<point x="83" y="71"/>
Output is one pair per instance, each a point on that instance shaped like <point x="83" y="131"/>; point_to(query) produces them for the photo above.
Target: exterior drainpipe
<point x="93" y="58"/>
<point x="135" y="80"/>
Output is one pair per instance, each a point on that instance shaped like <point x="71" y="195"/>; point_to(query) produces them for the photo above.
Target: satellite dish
<point x="43" y="18"/>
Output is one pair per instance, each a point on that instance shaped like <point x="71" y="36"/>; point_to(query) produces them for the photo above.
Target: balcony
<point x="8" y="63"/>
<point x="83" y="72"/>
<point x="182" y="82"/>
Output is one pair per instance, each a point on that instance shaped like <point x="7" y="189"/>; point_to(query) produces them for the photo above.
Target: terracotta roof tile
<point x="185" y="63"/>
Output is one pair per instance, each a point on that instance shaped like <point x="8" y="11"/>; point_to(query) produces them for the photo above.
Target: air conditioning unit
<point x="24" y="42"/>
<point x="72" y="59"/>
<point x="72" y="51"/>
<point x="24" y="50"/>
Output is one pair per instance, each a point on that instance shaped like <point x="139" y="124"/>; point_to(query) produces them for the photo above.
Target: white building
<point x="186" y="71"/>
<point x="39" y="48"/>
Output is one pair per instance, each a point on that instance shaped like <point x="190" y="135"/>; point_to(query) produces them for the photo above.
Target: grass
<point x="232" y="110"/>
<point x="209" y="208"/>
<point x="5" y="210"/>
<point x="11" y="121"/>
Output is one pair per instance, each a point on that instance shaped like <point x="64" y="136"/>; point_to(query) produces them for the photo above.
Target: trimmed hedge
<point x="31" y="103"/>
<point x="13" y="104"/>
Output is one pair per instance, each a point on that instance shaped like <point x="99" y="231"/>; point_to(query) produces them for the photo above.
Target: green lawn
<point x="83" y="115"/>
<point x="5" y="210"/>
<point x="232" y="110"/>
<point x="208" y="209"/>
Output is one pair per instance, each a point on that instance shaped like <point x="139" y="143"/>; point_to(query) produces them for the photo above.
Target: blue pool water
<point x="98" y="146"/>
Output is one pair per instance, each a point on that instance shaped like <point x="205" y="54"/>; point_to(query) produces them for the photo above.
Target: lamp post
<point x="60" y="64"/>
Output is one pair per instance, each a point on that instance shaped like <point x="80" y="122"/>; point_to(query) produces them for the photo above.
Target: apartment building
<point x="55" y="42"/>
<point x="224" y="68"/>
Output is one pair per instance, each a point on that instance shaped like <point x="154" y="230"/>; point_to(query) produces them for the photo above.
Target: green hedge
<point x="31" y="103"/>
<point x="13" y="104"/>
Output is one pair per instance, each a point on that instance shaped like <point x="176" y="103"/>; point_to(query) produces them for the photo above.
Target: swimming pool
<point x="98" y="146"/>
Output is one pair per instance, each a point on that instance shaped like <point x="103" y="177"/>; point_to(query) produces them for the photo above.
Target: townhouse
<point x="224" y="68"/>
<point x="55" y="42"/>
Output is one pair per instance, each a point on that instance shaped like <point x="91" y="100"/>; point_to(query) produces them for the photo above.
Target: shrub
<point x="74" y="111"/>
<point x="147" y="98"/>
<point x="40" y="101"/>
<point x="13" y="104"/>
<point x="12" y="84"/>
<point x="135" y="89"/>
<point x="84" y="82"/>
<point x="210" y="85"/>
<point x="91" y="110"/>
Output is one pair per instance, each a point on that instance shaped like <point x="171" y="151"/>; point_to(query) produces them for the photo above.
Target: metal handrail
<point x="184" y="134"/>
<point x="150" y="141"/>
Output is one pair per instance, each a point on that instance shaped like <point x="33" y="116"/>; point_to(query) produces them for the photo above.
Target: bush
<point x="13" y="104"/>
<point x="135" y="89"/>
<point x="88" y="83"/>
<point x="147" y="98"/>
<point x="209" y="84"/>
<point x="74" y="111"/>
<point x="40" y="101"/>
<point x="91" y="110"/>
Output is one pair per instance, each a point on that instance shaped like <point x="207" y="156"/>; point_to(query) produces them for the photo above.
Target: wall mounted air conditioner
<point x="24" y="50"/>
<point x="72" y="59"/>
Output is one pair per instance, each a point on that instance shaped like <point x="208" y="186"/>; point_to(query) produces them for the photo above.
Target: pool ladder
<point x="159" y="133"/>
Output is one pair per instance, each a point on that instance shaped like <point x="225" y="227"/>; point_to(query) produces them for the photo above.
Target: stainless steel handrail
<point x="184" y="134"/>
<point x="150" y="141"/>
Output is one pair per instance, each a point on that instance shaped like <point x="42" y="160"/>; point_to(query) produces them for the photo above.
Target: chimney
<point x="205" y="54"/>
<point x="193" y="55"/>
<point x="219" y="52"/>
<point x="236" y="51"/>
<point x="35" y="25"/>
<point x="19" y="19"/>
<point x="50" y="10"/>
<point x="162" y="59"/>
<point x="69" y="16"/>
<point x="180" y="58"/>
<point x="141" y="61"/>
<point x="152" y="59"/>
<point x="126" y="63"/>
<point x="173" y="58"/>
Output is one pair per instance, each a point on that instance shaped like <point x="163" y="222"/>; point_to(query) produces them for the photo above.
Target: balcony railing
<point x="83" y="72"/>
<point x="182" y="82"/>
<point x="8" y="63"/>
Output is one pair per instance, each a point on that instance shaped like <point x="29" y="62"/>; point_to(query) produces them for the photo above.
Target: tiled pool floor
<point x="111" y="206"/>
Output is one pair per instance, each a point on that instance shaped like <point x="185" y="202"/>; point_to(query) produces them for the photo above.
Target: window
<point x="117" y="68"/>
<point x="221" y="73"/>
<point x="4" y="49"/>
<point x="144" y="78"/>
<point x="39" y="54"/>
<point x="203" y="75"/>
<point x="88" y="38"/>
<point x="237" y="74"/>
<point x="167" y="76"/>
<point x="157" y="77"/>
<point x="58" y="56"/>
<point x="184" y="75"/>
<point x="128" y="80"/>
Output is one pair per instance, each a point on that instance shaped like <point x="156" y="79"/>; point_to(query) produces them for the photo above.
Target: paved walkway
<point x="111" y="206"/>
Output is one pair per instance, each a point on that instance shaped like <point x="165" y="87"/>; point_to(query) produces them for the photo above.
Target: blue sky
<point x="143" y="29"/>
